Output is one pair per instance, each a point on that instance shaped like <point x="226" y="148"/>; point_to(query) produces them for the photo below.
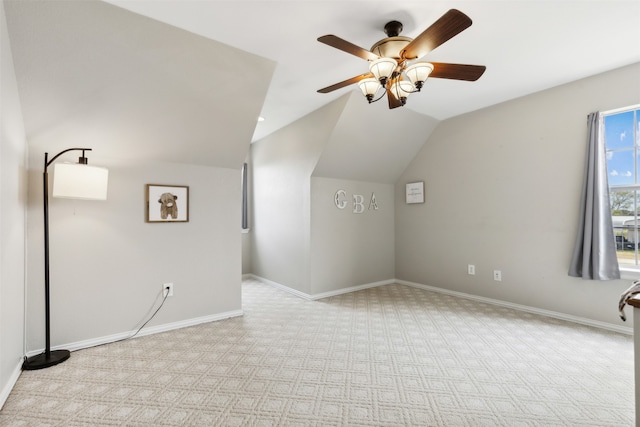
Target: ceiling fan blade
<point x="344" y="83"/>
<point x="450" y="24"/>
<point x="345" y="46"/>
<point x="394" y="102"/>
<point x="471" y="73"/>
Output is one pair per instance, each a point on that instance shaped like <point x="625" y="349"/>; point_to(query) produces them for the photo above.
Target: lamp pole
<point x="49" y="358"/>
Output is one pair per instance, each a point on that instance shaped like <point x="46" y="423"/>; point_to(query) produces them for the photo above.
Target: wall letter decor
<point x="373" y="204"/>
<point x="340" y="199"/>
<point x="358" y="203"/>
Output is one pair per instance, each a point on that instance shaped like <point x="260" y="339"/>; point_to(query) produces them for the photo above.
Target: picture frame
<point x="167" y="203"/>
<point x="415" y="192"/>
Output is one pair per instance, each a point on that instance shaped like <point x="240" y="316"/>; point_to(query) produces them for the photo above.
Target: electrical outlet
<point x="167" y="290"/>
<point x="471" y="269"/>
<point x="497" y="275"/>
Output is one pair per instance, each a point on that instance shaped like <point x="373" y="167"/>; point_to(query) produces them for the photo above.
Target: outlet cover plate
<point x="164" y="290"/>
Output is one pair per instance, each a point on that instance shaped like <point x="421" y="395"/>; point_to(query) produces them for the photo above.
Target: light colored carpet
<point x="388" y="356"/>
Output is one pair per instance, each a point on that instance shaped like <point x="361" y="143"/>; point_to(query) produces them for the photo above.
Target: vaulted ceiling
<point x="527" y="45"/>
<point x="91" y="74"/>
<point x="191" y="91"/>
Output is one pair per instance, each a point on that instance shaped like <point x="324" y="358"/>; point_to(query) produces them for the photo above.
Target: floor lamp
<point x="72" y="181"/>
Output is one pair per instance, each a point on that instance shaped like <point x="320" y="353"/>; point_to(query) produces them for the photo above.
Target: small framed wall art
<point x="167" y="203"/>
<point x="415" y="192"/>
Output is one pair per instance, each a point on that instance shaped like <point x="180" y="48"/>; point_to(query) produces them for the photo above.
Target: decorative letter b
<point x="358" y="203"/>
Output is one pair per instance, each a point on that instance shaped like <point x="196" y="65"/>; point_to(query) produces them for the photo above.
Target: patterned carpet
<point x="387" y="356"/>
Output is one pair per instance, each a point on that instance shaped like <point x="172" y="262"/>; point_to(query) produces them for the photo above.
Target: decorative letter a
<point x="373" y="204"/>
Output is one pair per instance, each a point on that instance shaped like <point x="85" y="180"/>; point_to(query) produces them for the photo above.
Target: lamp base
<point x="41" y="361"/>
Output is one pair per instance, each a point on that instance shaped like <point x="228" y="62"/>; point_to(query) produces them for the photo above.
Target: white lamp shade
<point x="402" y="89"/>
<point x="369" y="86"/>
<point x="383" y="67"/>
<point x="78" y="181"/>
<point x="419" y="72"/>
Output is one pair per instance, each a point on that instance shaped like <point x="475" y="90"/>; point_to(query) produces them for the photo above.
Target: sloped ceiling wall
<point x="372" y="143"/>
<point x="92" y="74"/>
<point x="282" y="164"/>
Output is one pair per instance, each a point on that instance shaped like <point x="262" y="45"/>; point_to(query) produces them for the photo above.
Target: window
<point x="622" y="139"/>
<point x="245" y="199"/>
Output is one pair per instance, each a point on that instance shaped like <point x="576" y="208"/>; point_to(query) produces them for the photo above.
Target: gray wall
<point x="108" y="265"/>
<point x="300" y="239"/>
<point x="502" y="192"/>
<point x="281" y="166"/>
<point x="361" y="156"/>
<point x="350" y="248"/>
<point x="246" y="253"/>
<point x="13" y="187"/>
<point x="371" y="143"/>
<point x="146" y="91"/>
<point x="147" y="100"/>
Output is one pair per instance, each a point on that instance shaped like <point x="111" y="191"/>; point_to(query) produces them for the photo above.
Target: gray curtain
<point x="594" y="256"/>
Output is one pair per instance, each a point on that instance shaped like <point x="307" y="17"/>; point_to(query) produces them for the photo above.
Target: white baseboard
<point x="525" y="308"/>
<point x="313" y="297"/>
<point x="280" y="286"/>
<point x="79" y="345"/>
<point x="4" y="395"/>
<point x="212" y="318"/>
<point x="353" y="289"/>
<point x="528" y="309"/>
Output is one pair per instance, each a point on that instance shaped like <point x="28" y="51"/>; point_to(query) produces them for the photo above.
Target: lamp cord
<point x="145" y="323"/>
<point x="166" y="295"/>
<point x="139" y="329"/>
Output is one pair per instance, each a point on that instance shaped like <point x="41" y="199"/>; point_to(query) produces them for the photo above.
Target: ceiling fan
<point x="390" y="60"/>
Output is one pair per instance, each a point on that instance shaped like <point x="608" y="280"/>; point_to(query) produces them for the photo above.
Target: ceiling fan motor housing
<point x="390" y="47"/>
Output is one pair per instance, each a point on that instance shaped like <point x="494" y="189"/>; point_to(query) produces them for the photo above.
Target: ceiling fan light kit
<point x="389" y="60"/>
<point x="401" y="89"/>
<point x="369" y="88"/>
<point x="383" y="69"/>
<point x="418" y="73"/>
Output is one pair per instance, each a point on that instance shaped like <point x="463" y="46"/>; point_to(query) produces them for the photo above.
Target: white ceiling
<point x="527" y="45"/>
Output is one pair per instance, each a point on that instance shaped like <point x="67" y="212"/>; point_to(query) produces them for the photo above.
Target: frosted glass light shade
<point x="419" y="72"/>
<point x="369" y="86"/>
<point x="383" y="67"/>
<point x="402" y="89"/>
<point x="78" y="181"/>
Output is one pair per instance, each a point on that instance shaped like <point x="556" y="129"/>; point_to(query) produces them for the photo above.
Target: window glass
<point x="621" y="166"/>
<point x="623" y="169"/>
<point x="618" y="130"/>
<point x="637" y="127"/>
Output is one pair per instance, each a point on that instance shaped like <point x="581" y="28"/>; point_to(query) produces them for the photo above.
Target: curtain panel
<point x="594" y="256"/>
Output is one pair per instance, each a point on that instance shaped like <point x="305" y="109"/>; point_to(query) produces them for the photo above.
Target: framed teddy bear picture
<point x="167" y="203"/>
